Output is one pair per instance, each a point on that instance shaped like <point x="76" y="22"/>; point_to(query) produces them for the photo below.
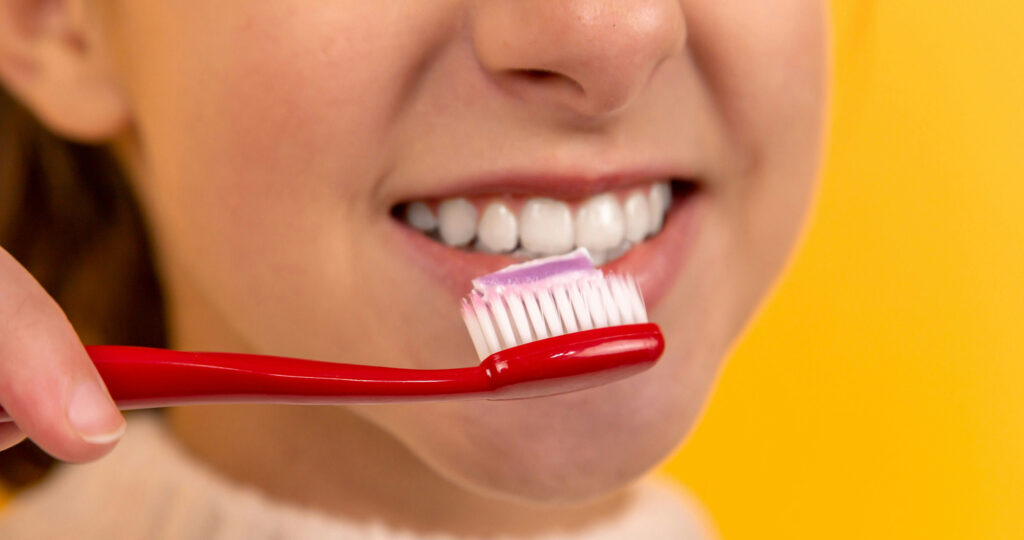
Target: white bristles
<point x="614" y="317"/>
<point x="475" y="333"/>
<point x="565" y="310"/>
<point x="536" y="319"/>
<point x="579" y="307"/>
<point x="507" y="316"/>
<point x="547" y="307"/>
<point x="636" y="300"/>
<point x="483" y="316"/>
<point x="592" y="297"/>
<point x="504" y="325"/>
<point x="515" y="306"/>
<point x="621" y="301"/>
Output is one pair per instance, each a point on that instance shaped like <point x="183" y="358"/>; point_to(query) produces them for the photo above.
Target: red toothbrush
<point x="576" y="331"/>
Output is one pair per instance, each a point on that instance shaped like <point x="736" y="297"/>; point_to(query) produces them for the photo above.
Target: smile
<point x="608" y="224"/>
<point x="644" y="227"/>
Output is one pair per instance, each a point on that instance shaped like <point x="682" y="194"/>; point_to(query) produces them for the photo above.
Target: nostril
<point x="537" y="74"/>
<point x="544" y="78"/>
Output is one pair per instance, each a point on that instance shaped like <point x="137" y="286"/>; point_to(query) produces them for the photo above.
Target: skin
<point x="315" y="121"/>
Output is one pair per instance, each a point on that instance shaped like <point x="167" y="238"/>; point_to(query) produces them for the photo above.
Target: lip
<point x="654" y="263"/>
<point x="565" y="187"/>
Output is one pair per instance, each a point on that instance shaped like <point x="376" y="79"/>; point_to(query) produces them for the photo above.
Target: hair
<point x="68" y="215"/>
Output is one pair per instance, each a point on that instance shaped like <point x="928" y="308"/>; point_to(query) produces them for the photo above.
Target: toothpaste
<point x="571" y="267"/>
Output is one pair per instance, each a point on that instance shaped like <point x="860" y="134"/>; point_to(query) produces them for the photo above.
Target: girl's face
<point x="277" y="144"/>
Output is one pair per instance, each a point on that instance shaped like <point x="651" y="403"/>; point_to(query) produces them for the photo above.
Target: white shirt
<point x="149" y="487"/>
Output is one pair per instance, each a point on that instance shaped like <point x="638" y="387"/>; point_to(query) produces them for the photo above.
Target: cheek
<point x="269" y="204"/>
<point x="763" y="61"/>
<point x="291" y="113"/>
<point x="765" y="64"/>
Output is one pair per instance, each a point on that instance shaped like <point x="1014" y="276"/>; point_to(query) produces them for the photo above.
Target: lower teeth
<point x="600" y="257"/>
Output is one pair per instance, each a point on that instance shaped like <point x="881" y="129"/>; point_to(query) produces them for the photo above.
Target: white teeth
<point x="659" y="199"/>
<point x="606" y="256"/>
<point x="498" y="231"/>
<point x="420" y="217"/>
<point x="600" y="224"/>
<point x="545" y="227"/>
<point x="616" y="252"/>
<point x="638" y="217"/>
<point x="605" y="226"/>
<point x="666" y="195"/>
<point x="457" y="221"/>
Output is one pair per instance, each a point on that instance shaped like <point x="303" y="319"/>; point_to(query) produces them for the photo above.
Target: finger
<point x="10" y="435"/>
<point x="48" y="384"/>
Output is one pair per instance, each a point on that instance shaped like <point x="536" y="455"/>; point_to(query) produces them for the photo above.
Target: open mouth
<point x="641" y="226"/>
<point x="608" y="224"/>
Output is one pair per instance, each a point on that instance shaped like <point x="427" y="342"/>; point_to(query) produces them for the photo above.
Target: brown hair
<point x="68" y="215"/>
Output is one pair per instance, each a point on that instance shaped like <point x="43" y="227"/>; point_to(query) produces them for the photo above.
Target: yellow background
<point x="881" y="392"/>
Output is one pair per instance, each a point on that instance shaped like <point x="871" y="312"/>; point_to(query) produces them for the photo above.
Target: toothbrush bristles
<point x="504" y="317"/>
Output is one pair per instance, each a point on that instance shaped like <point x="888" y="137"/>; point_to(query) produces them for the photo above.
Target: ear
<point x="53" y="58"/>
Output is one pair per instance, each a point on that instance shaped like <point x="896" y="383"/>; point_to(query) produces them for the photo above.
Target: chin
<point x="566" y="449"/>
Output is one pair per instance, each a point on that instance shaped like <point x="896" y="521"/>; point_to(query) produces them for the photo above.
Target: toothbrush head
<point x="558" y="324"/>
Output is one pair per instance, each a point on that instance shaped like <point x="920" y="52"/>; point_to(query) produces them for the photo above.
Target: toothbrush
<point x="541" y="328"/>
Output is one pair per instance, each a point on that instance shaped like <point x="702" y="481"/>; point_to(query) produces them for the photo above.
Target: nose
<point x="593" y="57"/>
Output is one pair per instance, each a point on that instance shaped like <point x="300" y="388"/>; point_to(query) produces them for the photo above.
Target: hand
<point x="48" y="384"/>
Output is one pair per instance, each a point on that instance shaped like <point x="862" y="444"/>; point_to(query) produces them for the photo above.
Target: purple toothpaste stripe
<point x="534" y="271"/>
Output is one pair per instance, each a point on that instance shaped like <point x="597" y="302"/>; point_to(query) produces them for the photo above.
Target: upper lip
<point x="556" y="185"/>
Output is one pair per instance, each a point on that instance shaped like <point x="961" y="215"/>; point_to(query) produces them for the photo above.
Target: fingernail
<point x="94" y="415"/>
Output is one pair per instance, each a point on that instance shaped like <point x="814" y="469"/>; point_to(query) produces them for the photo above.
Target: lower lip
<point x="654" y="263"/>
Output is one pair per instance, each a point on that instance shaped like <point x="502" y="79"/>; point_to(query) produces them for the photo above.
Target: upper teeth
<point x="419" y="216"/>
<point x="546" y="227"/>
<point x="603" y="224"/>
<point x="457" y="220"/>
<point x="498" y="229"/>
<point x="600" y="223"/>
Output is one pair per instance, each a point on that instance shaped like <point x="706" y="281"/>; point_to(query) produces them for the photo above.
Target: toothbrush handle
<point x="139" y="377"/>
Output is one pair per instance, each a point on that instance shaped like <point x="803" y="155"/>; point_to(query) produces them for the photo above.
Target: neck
<point x="333" y="460"/>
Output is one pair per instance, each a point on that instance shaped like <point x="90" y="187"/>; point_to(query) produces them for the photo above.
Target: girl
<point x="282" y="160"/>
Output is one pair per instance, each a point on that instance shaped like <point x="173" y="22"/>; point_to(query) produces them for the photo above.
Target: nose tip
<point x="593" y="57"/>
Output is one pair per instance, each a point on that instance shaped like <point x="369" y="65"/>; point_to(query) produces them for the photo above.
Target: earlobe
<point x="54" y="60"/>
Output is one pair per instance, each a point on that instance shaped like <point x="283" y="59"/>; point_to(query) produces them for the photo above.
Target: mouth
<point x="639" y="226"/>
